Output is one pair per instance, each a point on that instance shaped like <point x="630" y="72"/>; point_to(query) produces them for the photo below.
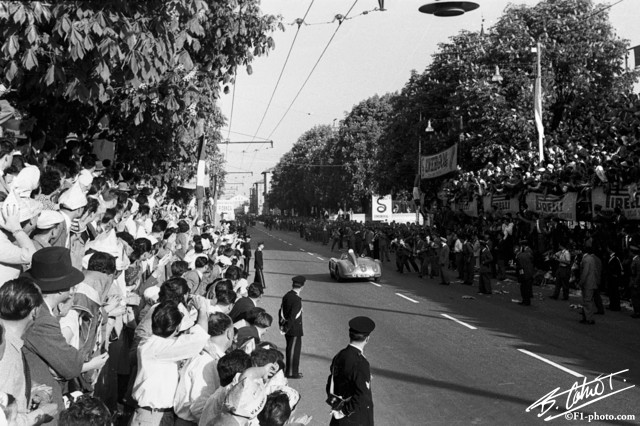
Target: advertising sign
<point x="630" y="207"/>
<point x="381" y="208"/>
<point x="562" y="206"/>
<point x="469" y="207"/>
<point x="440" y="164"/>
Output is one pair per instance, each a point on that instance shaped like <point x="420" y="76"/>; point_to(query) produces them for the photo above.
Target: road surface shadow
<point x="455" y="387"/>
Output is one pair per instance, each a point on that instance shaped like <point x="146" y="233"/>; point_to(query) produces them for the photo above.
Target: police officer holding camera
<point x="349" y="385"/>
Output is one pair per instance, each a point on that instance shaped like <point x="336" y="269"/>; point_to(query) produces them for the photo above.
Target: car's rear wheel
<point x="339" y="277"/>
<point x="331" y="274"/>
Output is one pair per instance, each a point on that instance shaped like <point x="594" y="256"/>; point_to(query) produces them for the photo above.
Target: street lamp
<point x="448" y="8"/>
<point x="497" y="78"/>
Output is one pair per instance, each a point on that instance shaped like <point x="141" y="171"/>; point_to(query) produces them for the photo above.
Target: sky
<point x="372" y="53"/>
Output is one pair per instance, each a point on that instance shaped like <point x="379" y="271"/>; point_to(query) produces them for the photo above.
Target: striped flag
<point x="537" y="107"/>
<point x="200" y="172"/>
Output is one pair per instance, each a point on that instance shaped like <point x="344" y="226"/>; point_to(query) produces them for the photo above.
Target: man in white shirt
<point x="158" y="360"/>
<point x="199" y="377"/>
<point x="457" y="252"/>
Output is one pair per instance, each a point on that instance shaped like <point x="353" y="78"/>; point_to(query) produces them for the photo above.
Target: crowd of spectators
<point x="119" y="305"/>
<point x="612" y="163"/>
<point x="454" y="244"/>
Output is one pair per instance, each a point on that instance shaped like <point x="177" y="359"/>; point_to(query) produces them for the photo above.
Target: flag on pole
<point x="537" y="107"/>
<point x="200" y="171"/>
<point x="636" y="56"/>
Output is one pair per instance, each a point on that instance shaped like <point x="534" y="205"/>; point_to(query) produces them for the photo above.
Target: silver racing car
<point x="350" y="266"/>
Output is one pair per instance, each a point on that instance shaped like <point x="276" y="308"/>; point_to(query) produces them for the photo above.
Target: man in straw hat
<point x="48" y="228"/>
<point x="53" y="362"/>
<point x="350" y="378"/>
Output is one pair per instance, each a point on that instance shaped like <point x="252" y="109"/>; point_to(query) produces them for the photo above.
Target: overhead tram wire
<point x="308" y="76"/>
<point x="313" y="69"/>
<point x="286" y="61"/>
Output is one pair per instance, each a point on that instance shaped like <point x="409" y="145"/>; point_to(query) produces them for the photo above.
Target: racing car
<point x="350" y="266"/>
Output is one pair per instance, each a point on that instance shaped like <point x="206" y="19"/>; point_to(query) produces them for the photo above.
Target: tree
<point x="73" y="65"/>
<point x="299" y="178"/>
<point x="357" y="148"/>
<point x="582" y="73"/>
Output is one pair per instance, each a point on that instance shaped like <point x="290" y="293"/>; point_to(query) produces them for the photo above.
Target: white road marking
<point x="301" y="249"/>
<point x="320" y="258"/>
<point x="459" y="322"/>
<point x="408" y="298"/>
<point x="376" y="284"/>
<point x="310" y="254"/>
<point x="558" y="366"/>
<point x="290" y="244"/>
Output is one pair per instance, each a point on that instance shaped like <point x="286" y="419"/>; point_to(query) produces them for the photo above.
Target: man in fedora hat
<point x="48" y="354"/>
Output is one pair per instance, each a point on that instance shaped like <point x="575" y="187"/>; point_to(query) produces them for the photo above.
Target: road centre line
<point x="558" y="366"/>
<point x="319" y="258"/>
<point x="408" y="298"/>
<point x="301" y="249"/>
<point x="310" y="254"/>
<point x="459" y="322"/>
<point x="376" y="284"/>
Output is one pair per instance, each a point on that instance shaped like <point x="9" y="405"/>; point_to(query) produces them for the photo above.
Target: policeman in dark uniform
<point x="246" y="252"/>
<point x="258" y="264"/>
<point x="350" y="377"/>
<point x="291" y="313"/>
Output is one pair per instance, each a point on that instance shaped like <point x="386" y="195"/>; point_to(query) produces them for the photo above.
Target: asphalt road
<point x="438" y="358"/>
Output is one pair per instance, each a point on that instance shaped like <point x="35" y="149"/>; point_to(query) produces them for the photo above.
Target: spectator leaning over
<point x="52" y="361"/>
<point x="245" y="304"/>
<point x="159" y="358"/>
<point x="195" y="278"/>
<point x="259" y="321"/>
<point x="199" y="377"/>
<point x="20" y="300"/>
<point x="16" y="249"/>
<point x="224" y="302"/>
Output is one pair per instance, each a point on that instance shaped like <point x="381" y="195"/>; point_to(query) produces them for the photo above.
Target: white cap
<point x="27" y="180"/>
<point x="48" y="219"/>
<point x="73" y="198"/>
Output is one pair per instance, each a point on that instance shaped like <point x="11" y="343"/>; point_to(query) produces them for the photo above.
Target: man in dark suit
<point x="291" y="312"/>
<point x="49" y="356"/>
<point x="259" y="265"/>
<point x="245" y="304"/>
<point x="350" y="377"/>
<point x="246" y="252"/>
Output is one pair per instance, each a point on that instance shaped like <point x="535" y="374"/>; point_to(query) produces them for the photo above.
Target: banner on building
<point x="468" y="207"/>
<point x="502" y="202"/>
<point x="381" y="208"/>
<point x="562" y="206"/>
<point x="621" y="198"/>
<point x="440" y="164"/>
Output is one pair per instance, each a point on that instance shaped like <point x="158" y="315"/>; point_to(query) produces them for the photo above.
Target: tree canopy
<point x="587" y="102"/>
<point x="141" y="73"/>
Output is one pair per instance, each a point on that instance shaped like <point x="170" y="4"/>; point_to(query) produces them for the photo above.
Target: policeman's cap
<point x="299" y="280"/>
<point x="362" y="325"/>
